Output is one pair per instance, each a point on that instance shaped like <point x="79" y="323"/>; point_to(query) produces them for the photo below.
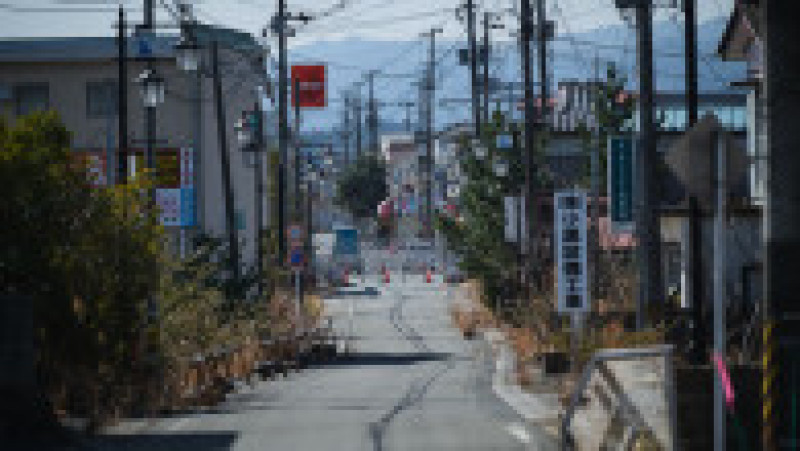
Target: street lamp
<point x="187" y="54"/>
<point x="481" y="151"/>
<point x="500" y="167"/>
<point x="152" y="88"/>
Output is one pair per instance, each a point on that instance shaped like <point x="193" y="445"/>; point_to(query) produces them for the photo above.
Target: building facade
<point x="79" y="79"/>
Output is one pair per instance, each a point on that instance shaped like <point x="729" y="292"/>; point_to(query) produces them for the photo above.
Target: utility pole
<point x="283" y="130"/>
<point x="122" y="100"/>
<point x="486" y="53"/>
<point x="695" y="221"/>
<point x="690" y="40"/>
<point x="720" y="291"/>
<point x="358" y="123"/>
<point x="408" y="106"/>
<point x="430" y="88"/>
<point x="297" y="144"/>
<point x="473" y="65"/>
<point x="260" y="152"/>
<point x="530" y="169"/>
<point x="279" y="24"/>
<point x="594" y="238"/>
<point x="372" y="114"/>
<point x="233" y="239"/>
<point x="544" y="107"/>
<point x="649" y="237"/>
<point x="150" y="111"/>
<point x="346" y="129"/>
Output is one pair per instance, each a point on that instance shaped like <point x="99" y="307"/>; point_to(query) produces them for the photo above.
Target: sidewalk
<point x="539" y="409"/>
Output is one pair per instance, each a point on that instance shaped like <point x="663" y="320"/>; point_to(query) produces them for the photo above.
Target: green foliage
<point x="86" y="257"/>
<point x="363" y="186"/>
<point x="477" y="232"/>
<point x="614" y="112"/>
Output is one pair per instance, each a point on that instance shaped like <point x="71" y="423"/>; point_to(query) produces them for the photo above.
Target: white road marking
<point x="519" y="432"/>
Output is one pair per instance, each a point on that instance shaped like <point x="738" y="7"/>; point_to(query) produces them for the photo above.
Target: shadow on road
<point x="189" y="441"/>
<point x="385" y="359"/>
<point x="366" y="291"/>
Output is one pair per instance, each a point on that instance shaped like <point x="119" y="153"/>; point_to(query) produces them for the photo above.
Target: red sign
<point x="311" y="80"/>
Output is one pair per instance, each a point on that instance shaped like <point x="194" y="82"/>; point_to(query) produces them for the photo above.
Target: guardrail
<point x="635" y="423"/>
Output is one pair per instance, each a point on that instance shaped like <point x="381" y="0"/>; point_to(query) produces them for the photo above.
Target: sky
<point x="398" y="21"/>
<point x="336" y="19"/>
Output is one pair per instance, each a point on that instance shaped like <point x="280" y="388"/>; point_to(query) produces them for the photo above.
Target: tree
<point x="477" y="232"/>
<point x="614" y="108"/>
<point x="363" y="186"/>
<point x="85" y="256"/>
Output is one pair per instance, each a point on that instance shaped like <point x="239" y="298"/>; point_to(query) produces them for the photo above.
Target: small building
<point x="79" y="79"/>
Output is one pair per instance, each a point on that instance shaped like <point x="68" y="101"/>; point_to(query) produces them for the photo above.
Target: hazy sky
<point x="365" y="19"/>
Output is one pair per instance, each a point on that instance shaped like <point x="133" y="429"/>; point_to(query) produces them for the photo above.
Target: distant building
<point x="78" y="78"/>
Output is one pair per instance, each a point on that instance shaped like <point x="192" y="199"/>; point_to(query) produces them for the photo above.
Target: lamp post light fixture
<point x="500" y="167"/>
<point x="187" y="54"/>
<point x="152" y="88"/>
<point x="481" y="151"/>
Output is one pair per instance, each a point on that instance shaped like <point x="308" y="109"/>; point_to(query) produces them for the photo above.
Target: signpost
<point x="620" y="182"/>
<point x="570" y="222"/>
<point x="571" y="250"/>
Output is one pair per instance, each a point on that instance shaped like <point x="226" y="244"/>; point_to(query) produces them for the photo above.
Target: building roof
<point x="104" y="48"/>
<point x="743" y="26"/>
<point x="81" y="49"/>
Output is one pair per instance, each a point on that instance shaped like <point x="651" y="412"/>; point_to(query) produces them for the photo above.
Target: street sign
<point x="570" y="224"/>
<point x="621" y="154"/>
<point x="296" y="258"/>
<point x="295" y="234"/>
<point x="504" y="141"/>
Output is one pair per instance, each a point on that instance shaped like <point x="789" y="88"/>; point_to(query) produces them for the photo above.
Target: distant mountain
<point x="571" y="57"/>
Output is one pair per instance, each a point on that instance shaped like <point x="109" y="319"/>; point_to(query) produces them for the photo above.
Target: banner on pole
<point x="620" y="181"/>
<point x="311" y="80"/>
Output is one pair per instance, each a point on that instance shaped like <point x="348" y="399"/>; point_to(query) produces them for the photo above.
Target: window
<point x="101" y="98"/>
<point x="30" y="98"/>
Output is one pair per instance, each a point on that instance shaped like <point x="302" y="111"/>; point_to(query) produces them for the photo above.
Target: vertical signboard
<point x="620" y="181"/>
<point x="311" y="79"/>
<point x="570" y="225"/>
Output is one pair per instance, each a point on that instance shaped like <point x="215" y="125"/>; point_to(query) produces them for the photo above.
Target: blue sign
<point x="145" y="48"/>
<point x="346" y="242"/>
<point x="296" y="258"/>
<point x="504" y="141"/>
<point x="620" y="180"/>
<point x="188" y="209"/>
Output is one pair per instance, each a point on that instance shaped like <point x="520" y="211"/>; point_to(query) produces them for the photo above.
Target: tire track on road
<point x="418" y="387"/>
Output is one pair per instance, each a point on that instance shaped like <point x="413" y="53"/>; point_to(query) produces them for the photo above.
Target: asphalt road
<point x="411" y="383"/>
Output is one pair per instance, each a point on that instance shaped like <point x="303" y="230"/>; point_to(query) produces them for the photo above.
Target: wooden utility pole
<point x="225" y="165"/>
<point x="530" y="169"/>
<point x="647" y="223"/>
<point x="122" y="100"/>
<point x="430" y="88"/>
<point x="473" y="65"/>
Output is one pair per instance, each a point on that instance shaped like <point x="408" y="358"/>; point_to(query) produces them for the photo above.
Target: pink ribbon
<point x="725" y="379"/>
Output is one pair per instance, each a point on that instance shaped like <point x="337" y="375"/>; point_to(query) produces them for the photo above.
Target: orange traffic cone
<point x="385" y="275"/>
<point x="428" y="276"/>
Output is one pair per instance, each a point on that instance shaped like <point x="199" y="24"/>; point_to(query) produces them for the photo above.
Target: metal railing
<point x="629" y="412"/>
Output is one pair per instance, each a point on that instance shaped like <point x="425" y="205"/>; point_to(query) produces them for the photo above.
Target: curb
<point x="513" y="395"/>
